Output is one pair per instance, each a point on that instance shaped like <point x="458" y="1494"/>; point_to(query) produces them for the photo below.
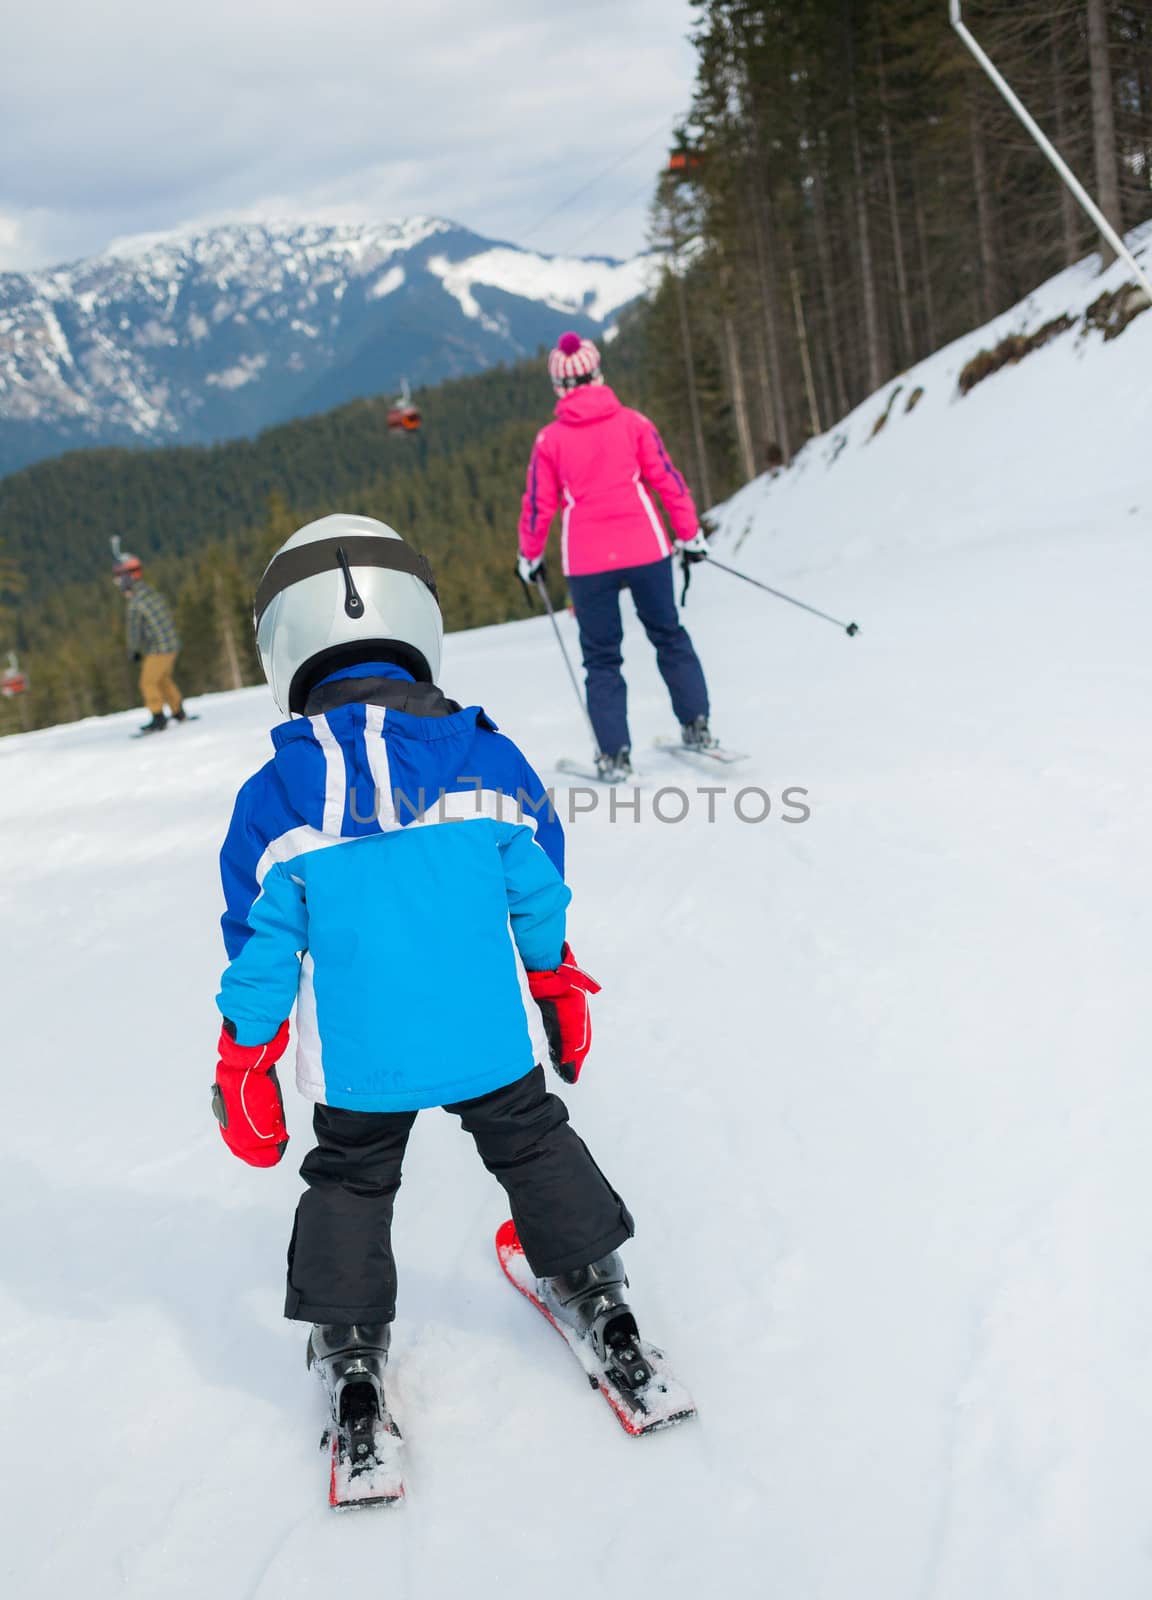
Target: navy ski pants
<point x="596" y="597"/>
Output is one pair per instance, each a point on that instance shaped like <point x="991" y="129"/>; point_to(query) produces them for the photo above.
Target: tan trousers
<point x="156" y="685"/>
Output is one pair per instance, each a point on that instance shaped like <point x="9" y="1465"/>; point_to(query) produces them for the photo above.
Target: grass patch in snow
<point x="1010" y="351"/>
<point x="882" y="420"/>
<point x="1111" y="313"/>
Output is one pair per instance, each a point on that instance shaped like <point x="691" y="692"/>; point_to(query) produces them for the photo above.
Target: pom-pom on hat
<point x="574" y="361"/>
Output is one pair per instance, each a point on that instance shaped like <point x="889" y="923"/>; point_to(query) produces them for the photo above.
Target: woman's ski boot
<point x="614" y="769"/>
<point x="697" y="735"/>
<point x="591" y="1302"/>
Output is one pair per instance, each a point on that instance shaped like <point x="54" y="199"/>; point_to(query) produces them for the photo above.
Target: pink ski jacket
<point x="602" y="462"/>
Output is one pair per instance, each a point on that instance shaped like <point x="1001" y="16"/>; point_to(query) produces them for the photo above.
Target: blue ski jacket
<point x="395" y="875"/>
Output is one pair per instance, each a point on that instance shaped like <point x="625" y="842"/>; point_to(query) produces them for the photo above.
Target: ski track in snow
<point x="875" y="1087"/>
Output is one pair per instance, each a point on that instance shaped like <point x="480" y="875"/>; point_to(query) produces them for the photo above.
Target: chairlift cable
<point x="599" y="178"/>
<point x="615" y="212"/>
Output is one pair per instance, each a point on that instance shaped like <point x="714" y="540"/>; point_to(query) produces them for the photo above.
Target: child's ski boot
<point x="591" y="1302"/>
<point x="350" y="1359"/>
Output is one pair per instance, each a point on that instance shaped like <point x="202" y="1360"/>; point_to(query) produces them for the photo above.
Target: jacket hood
<point x="592" y="403"/>
<point x="348" y="769"/>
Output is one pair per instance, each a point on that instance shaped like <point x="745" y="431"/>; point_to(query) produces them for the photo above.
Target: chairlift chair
<point x="684" y="161"/>
<point x="403" y="415"/>
<point x="13" y="682"/>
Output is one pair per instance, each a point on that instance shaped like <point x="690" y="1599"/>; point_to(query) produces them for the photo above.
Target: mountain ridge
<point x="198" y="336"/>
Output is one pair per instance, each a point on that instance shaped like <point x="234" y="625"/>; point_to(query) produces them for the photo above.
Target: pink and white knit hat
<point x="573" y="362"/>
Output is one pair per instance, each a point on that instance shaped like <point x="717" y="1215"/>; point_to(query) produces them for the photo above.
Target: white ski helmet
<point x="340" y="591"/>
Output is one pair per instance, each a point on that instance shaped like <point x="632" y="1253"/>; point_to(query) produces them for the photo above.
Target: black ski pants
<point x="340" y="1263"/>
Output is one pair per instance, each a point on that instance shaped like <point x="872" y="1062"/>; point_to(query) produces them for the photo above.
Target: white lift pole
<point x="1068" y="176"/>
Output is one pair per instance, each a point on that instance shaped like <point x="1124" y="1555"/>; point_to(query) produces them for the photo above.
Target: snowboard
<point x="659" y="1403"/>
<point x="148" y="733"/>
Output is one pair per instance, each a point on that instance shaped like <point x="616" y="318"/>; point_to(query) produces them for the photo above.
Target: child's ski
<point x="366" y="1456"/>
<point x="653" y="1400"/>
<point x="715" y="756"/>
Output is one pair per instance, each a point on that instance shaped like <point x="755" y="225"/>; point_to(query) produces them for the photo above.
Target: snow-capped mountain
<point x="197" y="336"/>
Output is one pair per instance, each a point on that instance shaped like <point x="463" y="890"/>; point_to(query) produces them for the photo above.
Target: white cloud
<point x="13" y="242"/>
<point x="25" y="236"/>
<point x="133" y="116"/>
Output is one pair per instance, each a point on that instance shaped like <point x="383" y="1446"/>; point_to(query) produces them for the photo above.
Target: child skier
<point x="427" y="962"/>
<point x="600" y="460"/>
<point x="152" y="641"/>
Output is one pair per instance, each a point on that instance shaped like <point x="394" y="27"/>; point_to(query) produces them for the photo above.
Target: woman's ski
<point x="715" y="755"/>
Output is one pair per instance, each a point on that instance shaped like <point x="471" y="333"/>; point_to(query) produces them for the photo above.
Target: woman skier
<point x="603" y="462"/>
<point x="429" y="965"/>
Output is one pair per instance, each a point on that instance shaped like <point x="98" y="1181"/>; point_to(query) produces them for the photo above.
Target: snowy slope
<point x="1064" y="433"/>
<point x="875" y="1086"/>
<point x="198" y="335"/>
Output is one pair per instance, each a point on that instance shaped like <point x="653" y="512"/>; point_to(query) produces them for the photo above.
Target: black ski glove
<point x="691" y="551"/>
<point x="695" y="549"/>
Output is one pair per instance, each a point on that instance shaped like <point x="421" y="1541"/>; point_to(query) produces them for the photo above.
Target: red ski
<point x="661" y="1402"/>
<point x="375" y="1481"/>
<point x="365" y="1450"/>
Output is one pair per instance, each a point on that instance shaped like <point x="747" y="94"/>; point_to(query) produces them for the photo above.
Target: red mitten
<point x="246" y="1098"/>
<point x="563" y="1000"/>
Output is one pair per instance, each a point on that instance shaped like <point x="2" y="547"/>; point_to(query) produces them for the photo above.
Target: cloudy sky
<point x="131" y="116"/>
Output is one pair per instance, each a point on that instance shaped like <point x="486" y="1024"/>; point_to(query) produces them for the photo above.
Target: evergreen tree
<point x="851" y="192"/>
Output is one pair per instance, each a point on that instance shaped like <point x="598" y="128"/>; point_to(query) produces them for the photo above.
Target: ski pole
<point x="850" y="628"/>
<point x="542" y="589"/>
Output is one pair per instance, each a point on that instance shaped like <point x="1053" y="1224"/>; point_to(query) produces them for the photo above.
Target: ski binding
<point x="365" y="1449"/>
<point x="365" y="1464"/>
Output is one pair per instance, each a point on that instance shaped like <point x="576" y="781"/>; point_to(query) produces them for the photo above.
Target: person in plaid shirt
<point x="153" y="642"/>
